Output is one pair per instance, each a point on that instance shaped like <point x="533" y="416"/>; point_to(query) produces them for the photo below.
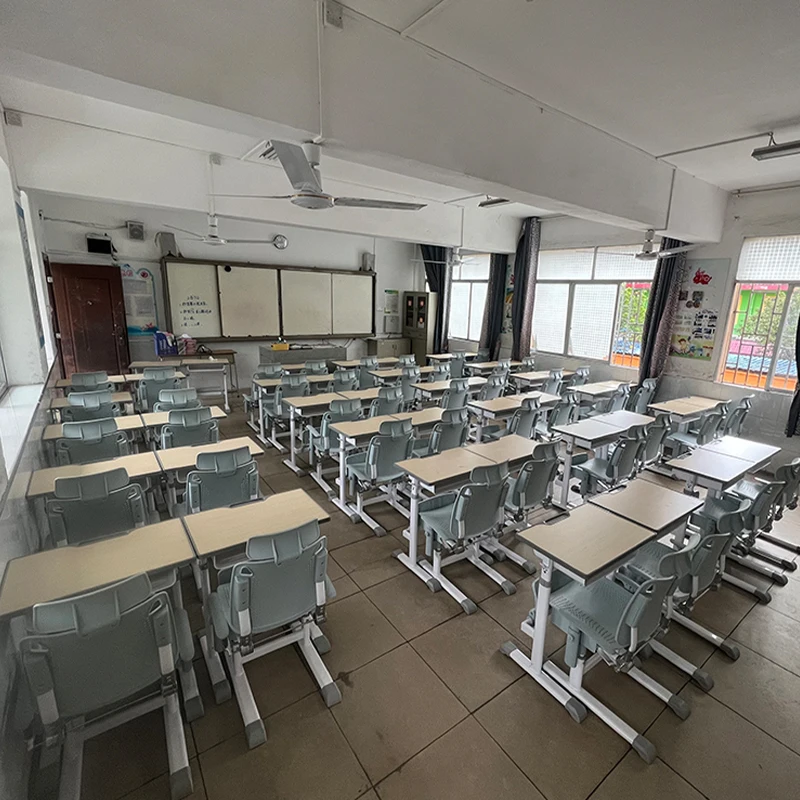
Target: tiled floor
<point x="431" y="709"/>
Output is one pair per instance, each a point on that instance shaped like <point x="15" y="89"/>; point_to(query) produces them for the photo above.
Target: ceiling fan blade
<point x="257" y="196"/>
<point x="361" y="202"/>
<point x="675" y="251"/>
<point x="295" y="164"/>
<point x="493" y="202"/>
<point x="183" y="230"/>
<point x="250" y="241"/>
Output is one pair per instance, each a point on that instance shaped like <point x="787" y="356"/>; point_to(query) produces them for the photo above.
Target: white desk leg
<point x="341" y="501"/>
<point x="567" y="472"/>
<point x="262" y="434"/>
<point x="225" y="390"/>
<point x="219" y="681"/>
<point x="479" y="429"/>
<point x="291" y="462"/>
<point x="410" y="559"/>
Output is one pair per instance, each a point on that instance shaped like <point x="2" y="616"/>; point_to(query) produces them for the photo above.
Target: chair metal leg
<point x="377" y="529"/>
<point x="501" y="552"/>
<point x="772" y="558"/>
<point x="254" y="729"/>
<point x="474" y="558"/>
<point x="328" y="689"/>
<point x="730" y="650"/>
<point x="762" y="594"/>
<point x="753" y="565"/>
<point x="784" y="543"/>
<point x="69" y="787"/>
<point x="435" y="570"/>
<point x="678" y="705"/>
<point x="698" y="676"/>
<point x="180" y="773"/>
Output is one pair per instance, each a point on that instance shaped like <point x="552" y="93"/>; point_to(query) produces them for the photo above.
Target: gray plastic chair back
<point x="96" y="650"/>
<point x="581" y="376"/>
<point x="483" y="354"/>
<point x="478" y="509"/>
<point x="388" y="401"/>
<point x="189" y="426"/>
<point x="456" y="395"/>
<point x="528" y="364"/>
<point x="268" y="371"/>
<point x="763" y="506"/>
<point x="644" y="610"/>
<point x="406" y="360"/>
<point x="451" y="432"/>
<point x="290" y="386"/>
<point x="365" y="379"/>
<point x="440" y="372"/>
<point x="90" y="405"/>
<point x="720" y="520"/>
<point x="457" y="365"/>
<point x="154" y="379"/>
<point x="564" y="412"/>
<point x="789" y="476"/>
<point x="223" y="478"/>
<point x="643" y="396"/>
<point x="281" y="580"/>
<point x="394" y="442"/>
<point x="95" y="506"/>
<point x="493" y="388"/>
<point x="171" y="399"/>
<point x="625" y="459"/>
<point x="316" y="368"/>
<point x="709" y="427"/>
<point x="525" y="418"/>
<point x="554" y="383"/>
<point x="619" y="399"/>
<point x="410" y="376"/>
<point x="345" y="380"/>
<point x="89" y="441"/>
<point x="534" y="484"/>
<point x="657" y="433"/>
<point x="338" y="411"/>
<point x="736" y="417"/>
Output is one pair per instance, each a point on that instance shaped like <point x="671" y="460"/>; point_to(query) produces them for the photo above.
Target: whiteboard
<point x="193" y="299"/>
<point x="248" y="300"/>
<point x="352" y="303"/>
<point x="306" y="303"/>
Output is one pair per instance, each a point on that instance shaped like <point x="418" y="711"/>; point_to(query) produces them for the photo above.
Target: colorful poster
<point x="697" y="321"/>
<point x="140" y="300"/>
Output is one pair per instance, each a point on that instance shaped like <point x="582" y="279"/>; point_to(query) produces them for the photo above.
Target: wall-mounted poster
<point x="697" y="320"/>
<point x="140" y="299"/>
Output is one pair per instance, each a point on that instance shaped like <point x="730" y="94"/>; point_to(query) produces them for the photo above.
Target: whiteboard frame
<point x="280" y="268"/>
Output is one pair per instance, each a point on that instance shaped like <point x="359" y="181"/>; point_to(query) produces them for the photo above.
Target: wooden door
<point x="90" y="309"/>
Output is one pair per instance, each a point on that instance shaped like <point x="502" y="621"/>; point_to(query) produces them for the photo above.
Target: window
<point x="591" y="302"/>
<point x="468" y="296"/>
<point x="760" y="346"/>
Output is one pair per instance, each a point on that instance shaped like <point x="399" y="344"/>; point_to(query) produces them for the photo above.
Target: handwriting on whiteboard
<point x="192" y="311"/>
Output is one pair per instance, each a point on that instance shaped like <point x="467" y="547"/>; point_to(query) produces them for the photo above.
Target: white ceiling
<point x="663" y="76"/>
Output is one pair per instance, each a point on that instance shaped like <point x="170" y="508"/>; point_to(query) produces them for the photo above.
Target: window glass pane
<point x="550" y="316"/>
<point x="565" y="264"/>
<point x="758" y="308"/>
<point x="475" y="267"/>
<point x="476" y="310"/>
<point x="593" y="308"/>
<point x="785" y="375"/>
<point x="773" y="258"/>
<point x="459" y="311"/>
<point x="630" y="324"/>
<point x="619" y="263"/>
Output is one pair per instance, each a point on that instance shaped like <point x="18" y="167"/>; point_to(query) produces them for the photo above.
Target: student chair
<point x="564" y="412"/>
<point x="522" y="423"/>
<point x="579" y="378"/>
<point x="93" y="440"/>
<point x="409" y="377"/>
<point x="154" y="379"/>
<point x="93" y="507"/>
<point x="176" y="399"/>
<point x="483" y="355"/>
<point x="440" y="372"/>
<point x="493" y="388"/>
<point x="737" y="415"/>
<point x="264" y="372"/>
<point x="407" y="360"/>
<point x="316" y="368"/>
<point x="365" y="379"/>
<point x="680" y="441"/>
<point x="449" y="433"/>
<point x="388" y="401"/>
<point x="643" y="396"/>
<point x="324" y="443"/>
<point x="789" y="476"/>
<point x="554" y="383"/>
<point x="600" y="474"/>
<point x="90" y="382"/>
<point x="98" y="660"/>
<point x="457" y="365"/>
<point x="90" y="405"/>
<point x="718" y="523"/>
<point x="616" y="402"/>
<point x="222" y="478"/>
<point x="273" y="598"/>
<point x="528" y="364"/>
<point x="189" y="426"/>
<point x="375" y="469"/>
<point x="345" y="380"/>
<point x="456" y="396"/>
<point x="657" y="432"/>
<point x="456" y="522"/>
<point x="276" y="412"/>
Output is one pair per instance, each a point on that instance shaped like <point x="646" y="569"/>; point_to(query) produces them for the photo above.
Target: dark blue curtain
<point x="495" y="305"/>
<point x="437" y="272"/>
<point x="525" y="265"/>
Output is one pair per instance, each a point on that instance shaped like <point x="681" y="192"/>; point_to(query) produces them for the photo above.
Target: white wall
<point x="396" y="263"/>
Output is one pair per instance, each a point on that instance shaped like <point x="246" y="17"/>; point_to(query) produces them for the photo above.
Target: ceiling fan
<point x="301" y="165"/>
<point x="212" y="236"/>
<point x="649" y="252"/>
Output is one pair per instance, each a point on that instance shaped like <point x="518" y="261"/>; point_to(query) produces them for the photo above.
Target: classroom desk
<point x="312" y="406"/>
<point x="152" y="419"/>
<point x="746" y="449"/>
<point x="448" y="356"/>
<point x="66" y="383"/>
<point x="504" y="407"/>
<point x="429" y="473"/>
<point x="116" y="397"/>
<point x="129" y="422"/>
<point x="422" y="419"/>
<point x="396" y="374"/>
<point x="598" y="389"/>
<point x="273" y="383"/>
<point x="536" y="377"/>
<point x="431" y="389"/>
<point x="136" y="366"/>
<point x="588" y="433"/>
<point x="587" y="545"/>
<point x="629" y="418"/>
<point x="715" y="472"/>
<point x="361" y="394"/>
<point x="355" y="363"/>
<point x="64" y="571"/>
<point x="178" y="458"/>
<point x="703" y="403"/>
<point x="139" y="465"/>
<point x="649" y="505"/>
<point x="679" y="408"/>
<point x="481" y="367"/>
<point x="512" y="449"/>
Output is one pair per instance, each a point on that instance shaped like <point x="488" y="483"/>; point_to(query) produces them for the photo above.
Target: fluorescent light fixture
<point x="774" y="150"/>
<point x="490" y="202"/>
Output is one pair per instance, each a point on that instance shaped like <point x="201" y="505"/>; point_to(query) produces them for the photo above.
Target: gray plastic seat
<point x="564" y="412"/>
<point x="95" y="506"/>
<point x="456" y="396"/>
<point x="365" y="379"/>
<point x="222" y="478"/>
<point x="406" y="360"/>
<point x="189" y="426"/>
<point x="493" y="388"/>
<point x="656" y="435"/>
<point x="290" y="386"/>
<point x="533" y="485"/>
<point x="97" y="660"/>
<point x="409" y="377"/>
<point x="440" y="372"/>
<point x="264" y="372"/>
<point x="528" y="364"/>
<point x="388" y="401"/>
<point x="482" y="355"/>
<point x="457" y="365"/>
<point x="273" y="598"/>
<point x="597" y="474"/>
<point x="579" y="378"/>
<point x="171" y="399"/>
<point x="643" y="396"/>
<point x="90" y="405"/>
<point x="93" y="440"/>
<point x="789" y="476"/>
<point x="316" y="368"/>
<point x="154" y="379"/>
<point x="522" y="423"/>
<point x="737" y="415"/>
<point x="322" y="441"/>
<point x="707" y="432"/>
<point x="617" y="401"/>
<point x="90" y="382"/>
<point x="345" y="380"/>
<point x="554" y="383"/>
<point x="447" y="434"/>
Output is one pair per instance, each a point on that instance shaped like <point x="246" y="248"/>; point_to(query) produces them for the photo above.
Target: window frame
<point x="471" y="282"/>
<point x="3" y="375"/>
<point x="619" y="283"/>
